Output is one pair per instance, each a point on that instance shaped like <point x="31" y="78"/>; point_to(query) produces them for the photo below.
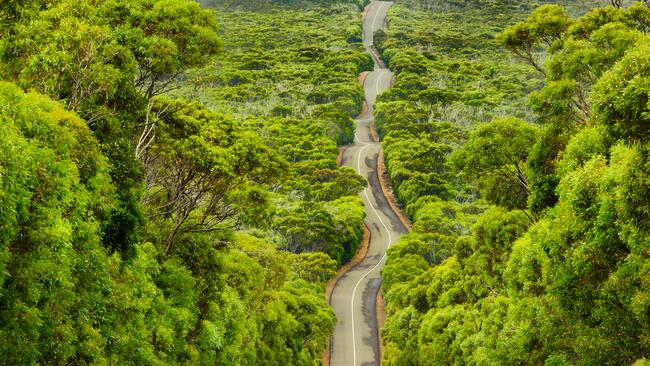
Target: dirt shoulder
<point x="384" y="182"/>
<point x="380" y="310"/>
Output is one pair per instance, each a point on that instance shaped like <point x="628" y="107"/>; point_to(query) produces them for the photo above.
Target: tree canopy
<point x="536" y="252"/>
<point x="146" y="221"/>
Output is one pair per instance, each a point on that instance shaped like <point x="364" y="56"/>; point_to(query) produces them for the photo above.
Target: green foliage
<point x="315" y="267"/>
<point x="65" y="299"/>
<point x="450" y="269"/>
<point x="329" y="185"/>
<point x="620" y="97"/>
<point x="590" y="47"/>
<point x="451" y="75"/>
<point x="279" y="63"/>
<point x="139" y="228"/>
<point x="203" y="172"/>
<point x="51" y="169"/>
<point x="333" y="228"/>
<point x="586" y="144"/>
<point x="543" y="27"/>
<point x="271" y="5"/>
<point x="569" y="288"/>
<point x="443" y="302"/>
<point x="105" y="60"/>
<point x="296" y="86"/>
<point x="494" y="157"/>
<point x="143" y="228"/>
<point x="93" y="56"/>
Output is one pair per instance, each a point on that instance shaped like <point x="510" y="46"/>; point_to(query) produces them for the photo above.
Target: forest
<point x="169" y="188"/>
<point x="515" y="139"/>
<point x="170" y="192"/>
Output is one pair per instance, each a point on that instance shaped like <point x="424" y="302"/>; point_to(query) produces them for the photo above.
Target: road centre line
<point x="390" y="239"/>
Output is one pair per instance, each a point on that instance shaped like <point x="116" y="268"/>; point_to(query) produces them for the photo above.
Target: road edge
<point x="382" y="175"/>
<point x="332" y="282"/>
<point x="380" y="315"/>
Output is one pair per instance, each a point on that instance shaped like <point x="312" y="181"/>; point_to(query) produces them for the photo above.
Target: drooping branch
<point x="527" y="55"/>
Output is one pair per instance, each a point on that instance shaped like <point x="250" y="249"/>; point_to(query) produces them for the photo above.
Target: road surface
<point x="355" y="340"/>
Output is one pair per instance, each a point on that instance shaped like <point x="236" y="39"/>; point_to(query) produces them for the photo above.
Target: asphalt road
<point x="355" y="340"/>
<point x="374" y="20"/>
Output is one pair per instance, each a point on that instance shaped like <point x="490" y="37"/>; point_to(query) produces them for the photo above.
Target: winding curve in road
<point x="356" y="339"/>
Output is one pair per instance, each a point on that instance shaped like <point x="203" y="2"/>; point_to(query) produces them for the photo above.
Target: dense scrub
<point x="295" y="85"/>
<point x="167" y="196"/>
<point x="526" y="184"/>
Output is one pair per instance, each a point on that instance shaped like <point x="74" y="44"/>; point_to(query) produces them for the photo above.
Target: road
<point x="355" y="340"/>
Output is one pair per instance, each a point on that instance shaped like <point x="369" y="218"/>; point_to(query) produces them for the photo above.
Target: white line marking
<point x="365" y="145"/>
<point x="372" y="29"/>
<point x="383" y="257"/>
<point x="377" y="86"/>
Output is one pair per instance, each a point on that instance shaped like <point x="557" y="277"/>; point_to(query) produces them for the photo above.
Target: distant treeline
<point x="269" y="4"/>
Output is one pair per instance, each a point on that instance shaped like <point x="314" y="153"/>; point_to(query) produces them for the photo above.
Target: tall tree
<point x="204" y="172"/>
<point x="495" y="155"/>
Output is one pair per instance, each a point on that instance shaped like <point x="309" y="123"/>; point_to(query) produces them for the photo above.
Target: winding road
<point x="355" y="340"/>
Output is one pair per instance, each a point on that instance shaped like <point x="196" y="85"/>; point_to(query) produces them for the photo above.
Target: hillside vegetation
<point x="168" y="184"/>
<point x="525" y="175"/>
<point x="170" y="194"/>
